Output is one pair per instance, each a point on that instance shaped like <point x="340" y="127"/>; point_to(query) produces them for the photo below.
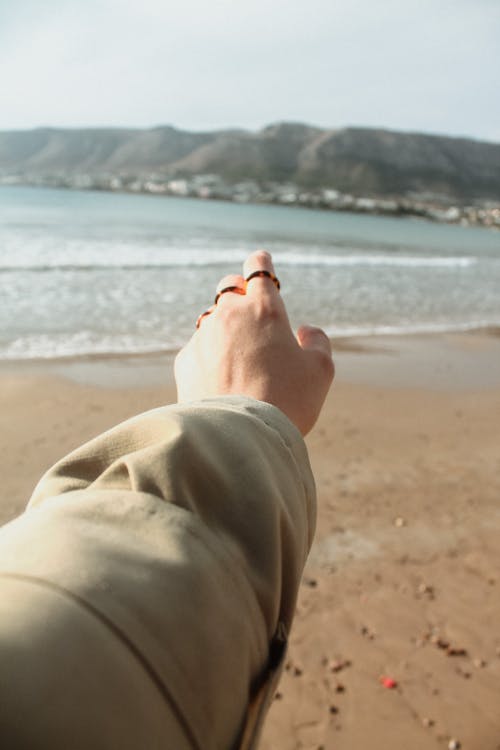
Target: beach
<point x="403" y="578"/>
<point x="89" y="273"/>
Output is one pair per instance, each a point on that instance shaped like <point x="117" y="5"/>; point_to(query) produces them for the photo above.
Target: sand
<point x="403" y="580"/>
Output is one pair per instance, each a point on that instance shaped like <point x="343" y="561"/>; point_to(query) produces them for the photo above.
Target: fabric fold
<point x="187" y="528"/>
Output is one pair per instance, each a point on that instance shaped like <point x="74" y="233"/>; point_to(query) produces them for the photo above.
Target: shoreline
<point x="440" y="360"/>
<point x="480" y="214"/>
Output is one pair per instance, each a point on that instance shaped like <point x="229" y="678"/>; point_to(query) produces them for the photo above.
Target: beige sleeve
<point x="141" y="589"/>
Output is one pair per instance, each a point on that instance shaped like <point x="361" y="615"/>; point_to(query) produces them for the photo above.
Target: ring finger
<point x="233" y="283"/>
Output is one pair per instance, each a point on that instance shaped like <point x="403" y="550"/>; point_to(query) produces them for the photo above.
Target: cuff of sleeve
<point x="282" y="426"/>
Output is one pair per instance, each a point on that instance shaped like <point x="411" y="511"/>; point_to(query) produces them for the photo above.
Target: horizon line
<point x="237" y="128"/>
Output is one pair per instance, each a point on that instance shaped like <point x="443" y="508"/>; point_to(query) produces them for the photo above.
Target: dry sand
<point x="404" y="577"/>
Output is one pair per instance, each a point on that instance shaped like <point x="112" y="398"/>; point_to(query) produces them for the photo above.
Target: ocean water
<point x="88" y="272"/>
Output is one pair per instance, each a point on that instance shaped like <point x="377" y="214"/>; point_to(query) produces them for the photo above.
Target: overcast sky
<point x="423" y="65"/>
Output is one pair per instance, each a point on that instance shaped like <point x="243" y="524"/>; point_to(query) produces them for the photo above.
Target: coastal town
<point x="439" y="208"/>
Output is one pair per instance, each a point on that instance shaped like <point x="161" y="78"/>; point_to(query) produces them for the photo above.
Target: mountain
<point x="361" y="161"/>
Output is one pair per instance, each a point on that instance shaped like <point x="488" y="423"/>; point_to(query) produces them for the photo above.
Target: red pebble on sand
<point x="388" y="682"/>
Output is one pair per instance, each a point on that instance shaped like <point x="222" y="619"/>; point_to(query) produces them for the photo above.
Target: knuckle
<point x="266" y="310"/>
<point x="227" y="312"/>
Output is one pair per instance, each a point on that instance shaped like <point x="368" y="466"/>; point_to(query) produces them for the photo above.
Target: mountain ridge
<point x="356" y="160"/>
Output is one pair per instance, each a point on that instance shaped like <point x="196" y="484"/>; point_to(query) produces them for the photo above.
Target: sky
<point x="417" y="65"/>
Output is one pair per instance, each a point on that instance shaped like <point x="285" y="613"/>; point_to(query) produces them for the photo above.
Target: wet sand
<point x="403" y="580"/>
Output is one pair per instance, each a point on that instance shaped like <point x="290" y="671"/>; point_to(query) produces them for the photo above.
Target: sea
<point x="94" y="273"/>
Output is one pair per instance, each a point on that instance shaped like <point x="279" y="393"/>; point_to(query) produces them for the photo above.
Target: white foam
<point x="117" y="256"/>
<point x="84" y="343"/>
<point x="401" y="261"/>
<point x="401" y="330"/>
<point x="81" y="344"/>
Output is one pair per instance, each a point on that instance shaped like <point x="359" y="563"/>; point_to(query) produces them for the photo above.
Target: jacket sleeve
<point x="152" y="573"/>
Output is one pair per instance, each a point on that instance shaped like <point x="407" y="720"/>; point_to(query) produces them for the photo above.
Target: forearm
<point x="186" y="529"/>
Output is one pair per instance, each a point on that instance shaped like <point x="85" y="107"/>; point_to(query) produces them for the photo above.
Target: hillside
<point x="360" y="161"/>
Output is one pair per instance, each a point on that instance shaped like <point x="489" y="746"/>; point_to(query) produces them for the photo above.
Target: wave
<point x="82" y="346"/>
<point x="190" y="259"/>
<point x="403" y="261"/>
<point x="415" y="329"/>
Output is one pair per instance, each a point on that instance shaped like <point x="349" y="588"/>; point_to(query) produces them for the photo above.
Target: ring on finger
<point x="235" y="289"/>
<point x="200" y="317"/>
<point x="264" y="274"/>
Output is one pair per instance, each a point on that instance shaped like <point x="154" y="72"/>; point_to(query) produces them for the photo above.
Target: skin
<point x="245" y="346"/>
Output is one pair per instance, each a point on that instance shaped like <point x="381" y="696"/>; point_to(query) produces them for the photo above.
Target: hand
<point x="245" y="346"/>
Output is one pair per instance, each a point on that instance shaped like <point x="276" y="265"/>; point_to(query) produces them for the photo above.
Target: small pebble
<point x="454" y="745"/>
<point x="333" y="709"/>
<point x="399" y="522"/>
<point x="439" y="642"/>
<point x="424" y="589"/>
<point x="367" y="633"/>
<point x="479" y="663"/>
<point x="339" y="665"/>
<point x="278" y="696"/>
<point x="339" y="688"/>
<point x="427" y="722"/>
<point x="297" y="671"/>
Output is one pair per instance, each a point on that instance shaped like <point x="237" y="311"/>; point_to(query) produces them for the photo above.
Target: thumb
<point x="315" y="340"/>
<point x="310" y="337"/>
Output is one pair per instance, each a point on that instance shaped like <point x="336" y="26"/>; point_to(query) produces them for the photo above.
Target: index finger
<point x="267" y="284"/>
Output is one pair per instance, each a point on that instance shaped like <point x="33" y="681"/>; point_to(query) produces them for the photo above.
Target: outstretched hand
<point x="244" y="345"/>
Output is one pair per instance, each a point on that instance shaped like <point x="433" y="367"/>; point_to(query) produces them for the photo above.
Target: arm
<point x="155" y="564"/>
